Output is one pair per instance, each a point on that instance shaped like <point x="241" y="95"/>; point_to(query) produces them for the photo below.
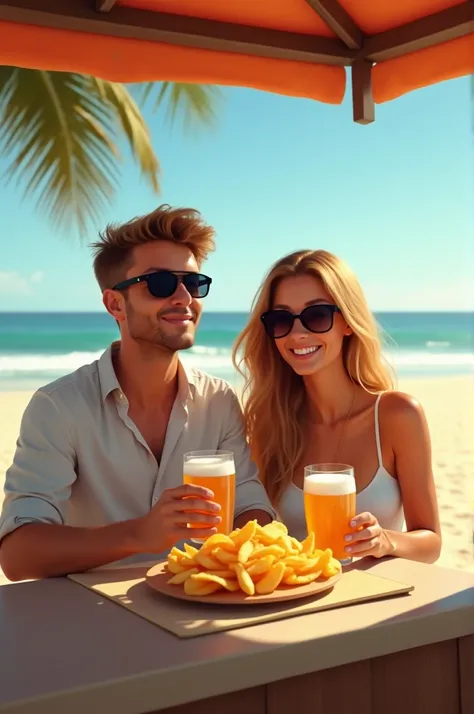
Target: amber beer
<point x="214" y="470"/>
<point x="330" y="504"/>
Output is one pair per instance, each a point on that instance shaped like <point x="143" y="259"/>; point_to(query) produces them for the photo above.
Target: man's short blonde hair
<point x="113" y="251"/>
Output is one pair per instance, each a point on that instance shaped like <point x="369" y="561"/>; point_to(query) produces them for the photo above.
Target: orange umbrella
<point x="293" y="47"/>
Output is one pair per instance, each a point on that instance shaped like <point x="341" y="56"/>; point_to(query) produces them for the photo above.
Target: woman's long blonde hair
<point x="274" y="396"/>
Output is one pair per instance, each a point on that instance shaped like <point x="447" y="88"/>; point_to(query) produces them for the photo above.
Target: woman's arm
<point x="405" y="424"/>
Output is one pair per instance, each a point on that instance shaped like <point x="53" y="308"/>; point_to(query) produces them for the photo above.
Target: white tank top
<point x="382" y="497"/>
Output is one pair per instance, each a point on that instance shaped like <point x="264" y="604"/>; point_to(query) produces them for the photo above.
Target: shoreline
<point x="448" y="402"/>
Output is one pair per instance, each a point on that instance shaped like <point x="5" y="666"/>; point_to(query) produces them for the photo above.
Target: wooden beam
<point x="362" y="98"/>
<point x="432" y="30"/>
<point x="340" y="22"/>
<point x="81" y="16"/>
<point x="104" y="5"/>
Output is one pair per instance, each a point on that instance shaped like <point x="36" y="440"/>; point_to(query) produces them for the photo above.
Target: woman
<point x="317" y="391"/>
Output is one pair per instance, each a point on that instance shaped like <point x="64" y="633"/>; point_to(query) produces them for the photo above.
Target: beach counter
<point x="67" y="649"/>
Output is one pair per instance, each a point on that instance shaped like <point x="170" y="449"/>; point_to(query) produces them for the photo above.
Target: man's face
<point x="168" y="323"/>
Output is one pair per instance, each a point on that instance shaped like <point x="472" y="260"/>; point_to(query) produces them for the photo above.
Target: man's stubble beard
<point x="141" y="329"/>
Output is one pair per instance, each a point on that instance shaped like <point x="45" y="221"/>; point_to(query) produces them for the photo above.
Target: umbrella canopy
<point x="294" y="47"/>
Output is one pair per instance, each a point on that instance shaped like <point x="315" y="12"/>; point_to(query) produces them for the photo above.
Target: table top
<point x="66" y="648"/>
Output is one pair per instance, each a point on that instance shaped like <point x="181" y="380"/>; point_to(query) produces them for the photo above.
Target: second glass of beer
<point x="330" y="504"/>
<point x="214" y="470"/>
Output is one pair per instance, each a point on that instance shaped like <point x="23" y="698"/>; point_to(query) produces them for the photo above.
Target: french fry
<point x="179" y="578"/>
<point x="245" y="551"/>
<point x="297" y="545"/>
<point x="302" y="579"/>
<point x="245" y="533"/>
<point x="254" y="559"/>
<point x="260" y="566"/>
<point x="307" y="544"/>
<point x="325" y="558"/>
<point x="281" y="526"/>
<point x="224" y="574"/>
<point x="174" y="566"/>
<point x="178" y="553"/>
<point x="226" y="583"/>
<point x="188" y="561"/>
<point x="224" y="556"/>
<point x="275" y="550"/>
<point x="312" y="565"/>
<point x="332" y="568"/>
<point x="190" y="550"/>
<point x="296" y="561"/>
<point x="284" y="542"/>
<point x="200" y="588"/>
<point x="245" y="581"/>
<point x="271" y="580"/>
<point x="269" y="534"/>
<point x="207" y="561"/>
<point x="218" y="540"/>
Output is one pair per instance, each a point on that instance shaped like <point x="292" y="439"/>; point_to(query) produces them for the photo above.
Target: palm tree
<point x="59" y="133"/>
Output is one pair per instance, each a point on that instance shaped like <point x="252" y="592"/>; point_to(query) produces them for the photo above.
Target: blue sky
<point x="395" y="199"/>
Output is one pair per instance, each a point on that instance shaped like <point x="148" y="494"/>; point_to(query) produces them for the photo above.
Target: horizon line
<point x="466" y="310"/>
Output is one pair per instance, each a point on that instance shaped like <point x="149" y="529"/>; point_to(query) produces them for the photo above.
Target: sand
<point x="449" y="406"/>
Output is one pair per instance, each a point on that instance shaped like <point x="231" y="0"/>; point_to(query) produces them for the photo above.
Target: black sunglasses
<point x="163" y="283"/>
<point x="315" y="318"/>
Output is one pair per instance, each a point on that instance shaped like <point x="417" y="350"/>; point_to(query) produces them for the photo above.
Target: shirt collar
<point x="109" y="382"/>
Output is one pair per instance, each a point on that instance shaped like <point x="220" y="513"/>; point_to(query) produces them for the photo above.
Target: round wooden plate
<point x="157" y="578"/>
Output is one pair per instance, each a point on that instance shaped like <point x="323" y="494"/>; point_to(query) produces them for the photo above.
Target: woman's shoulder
<point x="401" y="409"/>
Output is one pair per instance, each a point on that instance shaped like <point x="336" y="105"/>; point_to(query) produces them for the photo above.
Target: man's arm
<point x="43" y="550"/>
<point x="34" y="541"/>
<point x="251" y="500"/>
<point x="262" y="517"/>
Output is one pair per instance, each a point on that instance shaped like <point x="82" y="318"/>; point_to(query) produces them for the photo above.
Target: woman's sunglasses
<point x="315" y="318"/>
<point x="163" y="283"/>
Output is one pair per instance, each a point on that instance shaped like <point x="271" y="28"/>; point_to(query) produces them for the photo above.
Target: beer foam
<point x="209" y="466"/>
<point x="329" y="484"/>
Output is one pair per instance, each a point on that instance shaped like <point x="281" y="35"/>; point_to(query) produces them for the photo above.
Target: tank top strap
<point x="377" y="430"/>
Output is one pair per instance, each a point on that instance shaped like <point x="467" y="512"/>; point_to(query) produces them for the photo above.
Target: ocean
<point x="36" y="348"/>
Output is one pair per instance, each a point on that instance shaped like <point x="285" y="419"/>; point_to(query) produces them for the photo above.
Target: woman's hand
<point x="368" y="538"/>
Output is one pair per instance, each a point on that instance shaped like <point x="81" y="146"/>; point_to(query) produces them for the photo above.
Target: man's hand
<point x="166" y="523"/>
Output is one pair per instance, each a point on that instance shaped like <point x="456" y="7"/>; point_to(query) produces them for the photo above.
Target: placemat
<point x="126" y="586"/>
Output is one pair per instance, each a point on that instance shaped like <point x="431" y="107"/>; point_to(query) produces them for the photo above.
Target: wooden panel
<point x="363" y="107"/>
<point x="339" y="21"/>
<point x="248" y="701"/>
<point x="444" y="26"/>
<point x="466" y="673"/>
<point x="423" y="680"/>
<point x="104" y="5"/>
<point x="177" y="30"/>
<point x="332" y="691"/>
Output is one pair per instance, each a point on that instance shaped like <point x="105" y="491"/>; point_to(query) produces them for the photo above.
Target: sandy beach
<point x="449" y="405"/>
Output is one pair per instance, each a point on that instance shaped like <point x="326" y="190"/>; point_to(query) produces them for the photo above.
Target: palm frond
<point x="195" y="103"/>
<point x="58" y="132"/>
<point x="133" y="126"/>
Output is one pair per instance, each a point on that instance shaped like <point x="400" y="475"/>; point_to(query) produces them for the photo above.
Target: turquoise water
<point x="38" y="347"/>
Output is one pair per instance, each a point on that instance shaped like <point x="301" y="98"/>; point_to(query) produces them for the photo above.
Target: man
<point x="97" y="473"/>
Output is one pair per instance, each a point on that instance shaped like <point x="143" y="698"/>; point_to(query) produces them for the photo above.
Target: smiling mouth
<point x="178" y="319"/>
<point x="305" y="351"/>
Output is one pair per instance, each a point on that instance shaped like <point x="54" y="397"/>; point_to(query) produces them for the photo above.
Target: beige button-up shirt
<point x="81" y="461"/>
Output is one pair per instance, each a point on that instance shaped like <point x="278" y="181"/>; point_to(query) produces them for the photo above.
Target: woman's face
<point x="305" y="351"/>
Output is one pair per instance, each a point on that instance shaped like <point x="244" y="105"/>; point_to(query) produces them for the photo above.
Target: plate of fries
<point x="253" y="564"/>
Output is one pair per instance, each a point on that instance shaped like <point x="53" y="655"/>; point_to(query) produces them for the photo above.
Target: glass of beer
<point x="214" y="470"/>
<point x="330" y="504"/>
